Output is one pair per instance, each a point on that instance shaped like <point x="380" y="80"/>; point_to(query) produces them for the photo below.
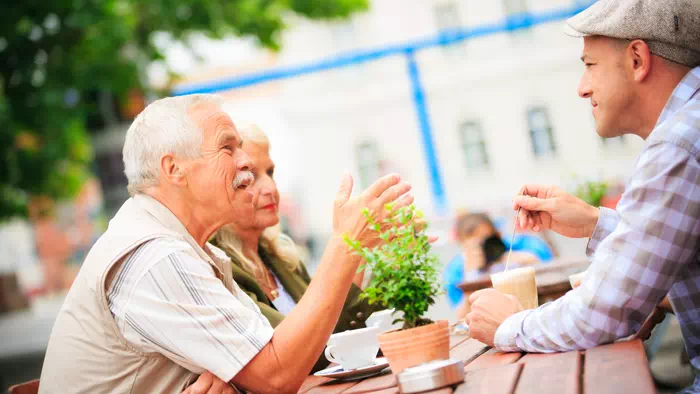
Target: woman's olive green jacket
<point x="354" y="313"/>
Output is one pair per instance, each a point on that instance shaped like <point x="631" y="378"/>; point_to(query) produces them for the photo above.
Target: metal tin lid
<point x="431" y="376"/>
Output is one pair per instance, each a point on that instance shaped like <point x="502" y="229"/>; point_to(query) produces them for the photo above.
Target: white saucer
<point x="337" y="372"/>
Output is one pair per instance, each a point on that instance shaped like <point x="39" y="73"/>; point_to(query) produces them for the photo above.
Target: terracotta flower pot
<point x="417" y="338"/>
<point x="425" y="337"/>
<point x="408" y="348"/>
<point x="432" y="342"/>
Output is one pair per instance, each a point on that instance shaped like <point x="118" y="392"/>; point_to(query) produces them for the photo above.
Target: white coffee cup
<point x="384" y="320"/>
<point x="354" y="348"/>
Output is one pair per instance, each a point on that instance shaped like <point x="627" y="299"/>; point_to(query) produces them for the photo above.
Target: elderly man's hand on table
<point x="208" y="383"/>
<point x="489" y="308"/>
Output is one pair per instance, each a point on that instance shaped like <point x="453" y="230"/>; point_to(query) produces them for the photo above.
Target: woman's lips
<point x="270" y="207"/>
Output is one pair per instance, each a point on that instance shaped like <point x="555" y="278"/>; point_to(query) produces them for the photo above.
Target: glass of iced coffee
<point x="519" y="282"/>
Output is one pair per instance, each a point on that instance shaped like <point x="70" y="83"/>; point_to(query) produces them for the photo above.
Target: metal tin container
<point x="431" y="376"/>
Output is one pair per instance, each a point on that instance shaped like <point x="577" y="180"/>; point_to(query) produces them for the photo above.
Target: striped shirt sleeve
<point x="179" y="308"/>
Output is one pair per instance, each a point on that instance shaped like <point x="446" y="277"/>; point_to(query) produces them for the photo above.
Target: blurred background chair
<point x="31" y="387"/>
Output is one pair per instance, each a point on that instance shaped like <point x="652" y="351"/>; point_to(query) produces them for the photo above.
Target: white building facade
<point x="503" y="108"/>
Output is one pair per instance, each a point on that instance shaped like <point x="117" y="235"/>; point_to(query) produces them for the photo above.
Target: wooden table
<point x="615" y="368"/>
<point x="552" y="279"/>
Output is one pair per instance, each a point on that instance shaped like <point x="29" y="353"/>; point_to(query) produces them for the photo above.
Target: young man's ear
<point x="172" y="170"/>
<point x="640" y="59"/>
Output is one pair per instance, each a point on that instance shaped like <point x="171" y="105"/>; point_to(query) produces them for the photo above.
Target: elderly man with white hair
<point x="154" y="305"/>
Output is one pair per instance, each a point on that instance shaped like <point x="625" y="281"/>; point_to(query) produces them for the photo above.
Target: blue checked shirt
<point x="645" y="250"/>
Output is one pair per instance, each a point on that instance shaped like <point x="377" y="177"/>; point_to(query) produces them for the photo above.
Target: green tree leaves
<point x="56" y="55"/>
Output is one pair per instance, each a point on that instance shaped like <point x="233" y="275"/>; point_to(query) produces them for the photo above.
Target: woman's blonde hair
<point x="273" y="241"/>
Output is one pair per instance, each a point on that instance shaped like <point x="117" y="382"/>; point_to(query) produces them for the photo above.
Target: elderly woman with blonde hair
<point x="266" y="263"/>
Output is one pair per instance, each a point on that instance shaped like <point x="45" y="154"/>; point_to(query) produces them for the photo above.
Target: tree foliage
<point x="55" y="56"/>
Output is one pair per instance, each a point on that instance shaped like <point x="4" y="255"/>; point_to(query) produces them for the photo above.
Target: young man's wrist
<point x="593" y="221"/>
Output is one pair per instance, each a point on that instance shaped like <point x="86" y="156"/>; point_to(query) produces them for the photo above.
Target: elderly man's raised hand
<point x="348" y="218"/>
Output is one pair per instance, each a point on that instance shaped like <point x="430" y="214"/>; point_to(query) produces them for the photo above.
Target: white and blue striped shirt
<point x="167" y="300"/>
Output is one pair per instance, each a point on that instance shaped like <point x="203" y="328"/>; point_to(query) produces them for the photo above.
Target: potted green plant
<point x="404" y="278"/>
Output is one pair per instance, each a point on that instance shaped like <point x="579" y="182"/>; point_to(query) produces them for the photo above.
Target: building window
<point x="541" y="132"/>
<point x="516" y="13"/>
<point x="474" y="145"/>
<point x="447" y="15"/>
<point x="367" y="155"/>
<point x="448" y="22"/>
<point x="616" y="141"/>
<point x="514" y="7"/>
<point x="345" y="37"/>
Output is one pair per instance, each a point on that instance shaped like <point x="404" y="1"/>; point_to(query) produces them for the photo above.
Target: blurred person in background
<point x="64" y="232"/>
<point x="485" y="252"/>
<point x="155" y="304"/>
<point x="266" y="262"/>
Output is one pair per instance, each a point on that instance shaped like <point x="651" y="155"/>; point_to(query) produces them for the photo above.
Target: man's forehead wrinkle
<point x="227" y="136"/>
<point x="198" y="110"/>
<point x="220" y="116"/>
<point x="204" y="113"/>
<point x="218" y="127"/>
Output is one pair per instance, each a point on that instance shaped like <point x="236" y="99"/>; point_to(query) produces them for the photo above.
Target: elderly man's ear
<point x="172" y="170"/>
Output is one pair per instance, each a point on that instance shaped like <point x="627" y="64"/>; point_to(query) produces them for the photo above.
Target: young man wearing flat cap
<point x="642" y="77"/>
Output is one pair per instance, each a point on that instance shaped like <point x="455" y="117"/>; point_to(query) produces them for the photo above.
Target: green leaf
<point x="404" y="271"/>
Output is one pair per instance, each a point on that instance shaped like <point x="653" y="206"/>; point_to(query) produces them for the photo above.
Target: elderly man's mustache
<point x="243" y="179"/>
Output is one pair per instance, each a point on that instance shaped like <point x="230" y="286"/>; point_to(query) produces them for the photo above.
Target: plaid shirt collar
<point x="684" y="91"/>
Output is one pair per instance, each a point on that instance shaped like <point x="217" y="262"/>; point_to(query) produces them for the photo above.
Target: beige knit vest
<point x="86" y="352"/>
